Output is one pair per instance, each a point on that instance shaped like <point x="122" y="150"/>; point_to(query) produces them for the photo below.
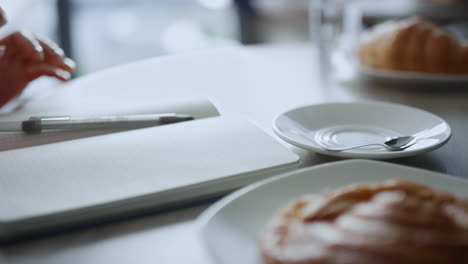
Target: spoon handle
<point x="351" y="147"/>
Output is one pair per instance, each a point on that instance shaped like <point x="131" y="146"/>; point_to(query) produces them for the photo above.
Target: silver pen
<point x="51" y="123"/>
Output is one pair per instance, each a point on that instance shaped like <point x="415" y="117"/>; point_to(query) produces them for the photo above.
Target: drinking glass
<point x="334" y="29"/>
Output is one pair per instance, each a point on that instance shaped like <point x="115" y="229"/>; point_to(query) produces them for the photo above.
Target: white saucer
<point x="230" y="228"/>
<point x="348" y="124"/>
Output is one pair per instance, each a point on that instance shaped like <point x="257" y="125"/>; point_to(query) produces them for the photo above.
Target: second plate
<point x="415" y="79"/>
<point x="230" y="227"/>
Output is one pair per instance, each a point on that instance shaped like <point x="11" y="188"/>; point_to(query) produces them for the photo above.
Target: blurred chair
<point x="64" y="10"/>
<point x="248" y="16"/>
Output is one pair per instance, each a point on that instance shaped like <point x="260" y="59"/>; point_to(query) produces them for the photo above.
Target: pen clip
<point x="50" y="118"/>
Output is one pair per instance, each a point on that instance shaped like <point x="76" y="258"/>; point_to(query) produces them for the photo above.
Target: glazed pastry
<point x="392" y="222"/>
<point x="413" y="45"/>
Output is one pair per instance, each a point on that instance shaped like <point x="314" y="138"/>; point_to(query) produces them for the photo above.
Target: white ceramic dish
<point x="230" y="227"/>
<point x="415" y="79"/>
<point x="347" y="124"/>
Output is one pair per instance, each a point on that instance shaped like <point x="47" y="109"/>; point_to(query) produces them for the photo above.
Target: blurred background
<point x="102" y="33"/>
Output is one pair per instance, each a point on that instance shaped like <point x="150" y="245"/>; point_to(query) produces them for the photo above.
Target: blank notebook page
<point x="84" y="172"/>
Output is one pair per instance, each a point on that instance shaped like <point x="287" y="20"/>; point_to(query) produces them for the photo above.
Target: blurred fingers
<point x="30" y="46"/>
<point x="38" y="70"/>
<point x="23" y="45"/>
<point x="54" y="55"/>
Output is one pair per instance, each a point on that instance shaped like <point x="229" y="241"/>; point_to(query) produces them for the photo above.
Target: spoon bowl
<point x="394" y="144"/>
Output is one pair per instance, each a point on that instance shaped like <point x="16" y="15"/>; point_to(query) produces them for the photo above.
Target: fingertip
<point x="36" y="71"/>
<point x="50" y="47"/>
<point x="65" y="64"/>
<point x="62" y="75"/>
<point x="38" y="51"/>
<point x="69" y="63"/>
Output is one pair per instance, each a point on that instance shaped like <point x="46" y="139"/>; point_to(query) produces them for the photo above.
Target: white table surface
<point x="258" y="83"/>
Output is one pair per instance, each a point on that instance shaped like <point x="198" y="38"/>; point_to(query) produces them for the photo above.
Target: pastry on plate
<point x="391" y="222"/>
<point x="413" y="45"/>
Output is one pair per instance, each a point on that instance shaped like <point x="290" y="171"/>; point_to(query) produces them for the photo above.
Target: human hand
<point x="24" y="58"/>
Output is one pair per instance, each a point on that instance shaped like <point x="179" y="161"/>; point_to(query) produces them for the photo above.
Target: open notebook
<point x="48" y="187"/>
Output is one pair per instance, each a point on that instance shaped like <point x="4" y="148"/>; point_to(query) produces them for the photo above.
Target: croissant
<point x="387" y="223"/>
<point x="413" y="45"/>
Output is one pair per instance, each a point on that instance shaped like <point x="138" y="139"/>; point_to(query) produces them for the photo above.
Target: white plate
<point x="348" y="124"/>
<point x="229" y="229"/>
<point x="415" y="79"/>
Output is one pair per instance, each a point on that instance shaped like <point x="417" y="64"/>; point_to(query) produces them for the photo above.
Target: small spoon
<point x="394" y="144"/>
